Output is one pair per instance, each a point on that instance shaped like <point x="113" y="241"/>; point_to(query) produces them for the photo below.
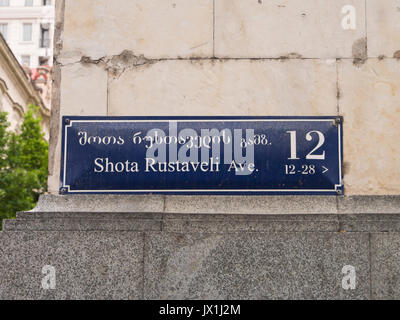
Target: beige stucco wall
<point x="11" y="99"/>
<point x="238" y="57"/>
<point x="17" y="92"/>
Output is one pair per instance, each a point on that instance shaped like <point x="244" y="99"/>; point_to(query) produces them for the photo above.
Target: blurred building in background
<point x="28" y="27"/>
<point x="18" y="90"/>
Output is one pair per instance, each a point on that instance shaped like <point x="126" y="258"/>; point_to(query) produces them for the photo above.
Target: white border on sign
<point x="337" y="186"/>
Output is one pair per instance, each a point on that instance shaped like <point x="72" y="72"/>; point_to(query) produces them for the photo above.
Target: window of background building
<point x="45" y="35"/>
<point x="27" y="32"/>
<point x="28" y="3"/>
<point x="43" y="61"/>
<point x="3" y="30"/>
<point x="26" y="60"/>
<point x="4" y="3"/>
<point x="46" y="2"/>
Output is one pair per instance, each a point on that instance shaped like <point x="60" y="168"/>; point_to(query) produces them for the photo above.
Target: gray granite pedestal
<point x="155" y="247"/>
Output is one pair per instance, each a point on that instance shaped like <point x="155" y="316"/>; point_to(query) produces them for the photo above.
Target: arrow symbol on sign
<point x="325" y="169"/>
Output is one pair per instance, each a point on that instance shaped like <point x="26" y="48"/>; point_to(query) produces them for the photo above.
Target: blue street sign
<point x="202" y="155"/>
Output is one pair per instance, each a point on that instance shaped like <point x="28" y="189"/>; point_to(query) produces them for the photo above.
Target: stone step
<point x="81" y="224"/>
<point x="87" y="215"/>
<point x="219" y="204"/>
<point x="207" y="223"/>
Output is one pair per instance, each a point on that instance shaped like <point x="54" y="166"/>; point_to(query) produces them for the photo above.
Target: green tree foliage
<point x="23" y="164"/>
